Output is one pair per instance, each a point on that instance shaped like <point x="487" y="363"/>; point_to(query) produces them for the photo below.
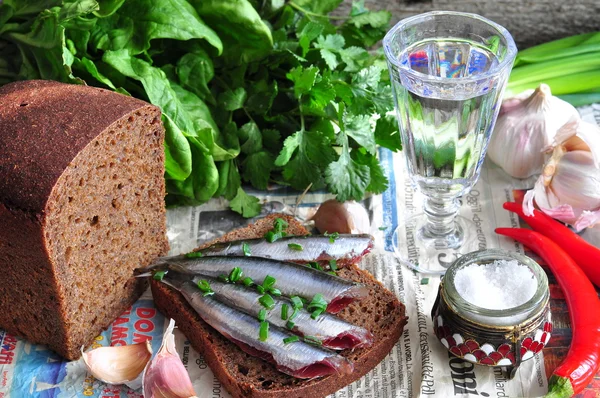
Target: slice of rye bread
<point x="246" y="376"/>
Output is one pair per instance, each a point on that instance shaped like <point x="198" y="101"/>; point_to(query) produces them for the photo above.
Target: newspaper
<point x="417" y="366"/>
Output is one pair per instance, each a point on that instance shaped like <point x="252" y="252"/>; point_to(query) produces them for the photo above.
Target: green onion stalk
<point x="570" y="66"/>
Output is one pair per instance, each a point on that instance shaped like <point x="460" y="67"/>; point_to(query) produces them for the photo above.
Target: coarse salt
<point x="496" y="286"/>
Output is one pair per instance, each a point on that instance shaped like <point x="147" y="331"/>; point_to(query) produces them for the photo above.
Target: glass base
<point x="426" y="254"/>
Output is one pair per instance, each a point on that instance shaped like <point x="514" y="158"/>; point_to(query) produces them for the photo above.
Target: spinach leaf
<point x="137" y="22"/>
<point x="244" y="34"/>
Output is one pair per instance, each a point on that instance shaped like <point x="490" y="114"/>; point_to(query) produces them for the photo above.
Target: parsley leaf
<point x="303" y="79"/>
<point x="246" y="205"/>
<point x="347" y="178"/>
<point x="232" y="100"/>
<point x="257" y="169"/>
<point x="359" y="128"/>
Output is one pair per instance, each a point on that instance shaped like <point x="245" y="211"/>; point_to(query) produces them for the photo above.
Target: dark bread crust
<point x="246" y="376"/>
<point x="49" y="113"/>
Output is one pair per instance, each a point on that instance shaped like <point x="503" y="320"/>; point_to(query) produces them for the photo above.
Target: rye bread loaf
<point x="246" y="376"/>
<point x="81" y="205"/>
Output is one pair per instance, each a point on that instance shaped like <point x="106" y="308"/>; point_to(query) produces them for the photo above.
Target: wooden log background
<point x="529" y="21"/>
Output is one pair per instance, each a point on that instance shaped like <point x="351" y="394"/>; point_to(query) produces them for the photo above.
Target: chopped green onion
<point x="260" y="289"/>
<point x="204" y="286"/>
<point x="333" y="264"/>
<point x="312" y="340"/>
<point x="223" y="278"/>
<point x="263" y="332"/>
<point x="266" y="301"/>
<point x="291" y="339"/>
<point x="271" y="237"/>
<point x="268" y="282"/>
<point x="294" y="314"/>
<point x="278" y="230"/>
<point x="296" y="302"/>
<point x="290" y="325"/>
<point x="315" y="265"/>
<point x="275" y="292"/>
<point x="247" y="281"/>
<point x="262" y="314"/>
<point x="159" y="275"/>
<point x="317" y="303"/>
<point x="235" y="274"/>
<point x="193" y="254"/>
<point x="295" y="246"/>
<point x="333" y="236"/>
<point x="246" y="249"/>
<point x="284" y="312"/>
<point x="332" y="273"/>
<point x="382" y="228"/>
<point x="315" y="314"/>
<point x="280" y="224"/>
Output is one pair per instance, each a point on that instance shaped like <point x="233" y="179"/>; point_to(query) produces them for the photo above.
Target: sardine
<point x="297" y="359"/>
<point x="345" y="249"/>
<point x="291" y="279"/>
<point x="333" y="332"/>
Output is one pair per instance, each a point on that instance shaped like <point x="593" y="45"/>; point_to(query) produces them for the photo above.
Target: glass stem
<point x="440" y="215"/>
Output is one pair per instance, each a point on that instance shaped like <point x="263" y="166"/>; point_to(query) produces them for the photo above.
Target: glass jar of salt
<point x="493" y="309"/>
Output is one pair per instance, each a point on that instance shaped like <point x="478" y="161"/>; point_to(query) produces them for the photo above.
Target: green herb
<point x="204" y="286"/>
<point x="295" y="246"/>
<point x="570" y="66"/>
<point x="262" y="314"/>
<point x="333" y="265"/>
<point x="223" y="278"/>
<point x="268" y="282"/>
<point x="290" y="325"/>
<point x="275" y="292"/>
<point x="266" y="301"/>
<point x="312" y="340"/>
<point x="246" y="249"/>
<point x="159" y="275"/>
<point x="248" y="92"/>
<point x="317" y="303"/>
<point x="278" y="231"/>
<point x="235" y="274"/>
<point x="247" y="281"/>
<point x="332" y="236"/>
<point x="382" y="228"/>
<point x="294" y="314"/>
<point x="193" y="255"/>
<point x="260" y="289"/>
<point x="424" y="281"/>
<point x="315" y="314"/>
<point x="296" y="302"/>
<point x="291" y="339"/>
<point x="284" y="311"/>
<point x="315" y="265"/>
<point x="263" y="332"/>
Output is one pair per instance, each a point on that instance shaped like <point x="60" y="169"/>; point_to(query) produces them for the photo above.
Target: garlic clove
<point x="568" y="190"/>
<point x="524" y="128"/>
<point x="342" y="217"/>
<point x="587" y="219"/>
<point x="119" y="364"/>
<point x="578" y="135"/>
<point x="165" y="376"/>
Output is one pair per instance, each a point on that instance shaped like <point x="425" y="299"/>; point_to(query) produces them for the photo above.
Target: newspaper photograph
<point x="418" y="365"/>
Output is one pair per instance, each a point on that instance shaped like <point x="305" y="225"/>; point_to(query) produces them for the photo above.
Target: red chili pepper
<point x="582" y="361"/>
<point x="587" y="256"/>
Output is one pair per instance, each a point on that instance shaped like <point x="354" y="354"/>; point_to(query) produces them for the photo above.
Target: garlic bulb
<point x="569" y="187"/>
<point x="345" y="218"/>
<point x="165" y="375"/>
<point x="525" y="126"/>
<point x="119" y="364"/>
